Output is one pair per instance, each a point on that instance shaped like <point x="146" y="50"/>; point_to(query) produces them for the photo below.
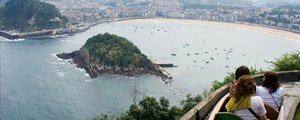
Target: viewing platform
<point x="290" y="82"/>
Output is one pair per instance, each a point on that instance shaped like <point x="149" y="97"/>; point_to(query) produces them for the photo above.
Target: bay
<point x="35" y="84"/>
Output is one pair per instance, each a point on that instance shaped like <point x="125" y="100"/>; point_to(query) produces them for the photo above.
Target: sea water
<point x="35" y="84"/>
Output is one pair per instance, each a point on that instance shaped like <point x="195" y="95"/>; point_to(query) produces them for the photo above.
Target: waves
<point x="2" y="39"/>
<point x="60" y="73"/>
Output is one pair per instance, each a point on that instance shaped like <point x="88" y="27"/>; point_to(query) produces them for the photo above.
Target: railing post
<point x="197" y="115"/>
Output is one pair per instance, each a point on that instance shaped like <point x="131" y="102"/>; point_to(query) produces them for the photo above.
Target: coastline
<point x="288" y="34"/>
<point x="252" y="27"/>
<point x="61" y="31"/>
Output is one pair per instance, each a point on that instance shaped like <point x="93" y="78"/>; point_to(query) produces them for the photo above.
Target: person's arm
<point x="232" y="87"/>
<point x="262" y="109"/>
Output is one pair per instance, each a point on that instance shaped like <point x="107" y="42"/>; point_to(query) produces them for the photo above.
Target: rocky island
<point x="112" y="54"/>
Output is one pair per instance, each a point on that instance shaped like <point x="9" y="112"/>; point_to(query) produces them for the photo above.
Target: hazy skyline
<point x="208" y="1"/>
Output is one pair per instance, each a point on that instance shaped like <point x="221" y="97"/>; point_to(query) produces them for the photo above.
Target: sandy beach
<point x="281" y="33"/>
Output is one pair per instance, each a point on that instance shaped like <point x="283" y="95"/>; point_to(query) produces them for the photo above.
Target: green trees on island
<point x="151" y="109"/>
<point x="111" y="54"/>
<point x="30" y="15"/>
<point x="112" y="50"/>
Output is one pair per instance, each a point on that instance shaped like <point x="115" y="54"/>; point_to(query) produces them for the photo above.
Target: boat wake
<point x="88" y="80"/>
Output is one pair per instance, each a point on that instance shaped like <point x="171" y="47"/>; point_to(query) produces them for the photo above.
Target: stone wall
<point x="202" y="109"/>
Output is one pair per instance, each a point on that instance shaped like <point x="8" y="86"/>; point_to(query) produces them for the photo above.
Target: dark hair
<point x="271" y="81"/>
<point x="240" y="71"/>
<point x="244" y="87"/>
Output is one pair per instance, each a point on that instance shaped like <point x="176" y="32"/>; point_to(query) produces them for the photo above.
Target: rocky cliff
<point x="89" y="59"/>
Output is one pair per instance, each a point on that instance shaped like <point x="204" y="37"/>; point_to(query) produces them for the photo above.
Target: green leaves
<point x="113" y="50"/>
<point x="190" y="102"/>
<point x="289" y="61"/>
<point x="31" y="15"/>
<point x="151" y="109"/>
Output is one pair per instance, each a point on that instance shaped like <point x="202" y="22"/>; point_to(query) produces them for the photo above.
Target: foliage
<point x="297" y="114"/>
<point x="190" y="102"/>
<point x="289" y="61"/>
<point x="151" y="109"/>
<point x="113" y="50"/>
<point x="217" y="84"/>
<point x="102" y="117"/>
<point x="149" y="105"/>
<point x="161" y="110"/>
<point x="30" y="15"/>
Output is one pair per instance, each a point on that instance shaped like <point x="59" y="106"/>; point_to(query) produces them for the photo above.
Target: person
<point x="240" y="71"/>
<point x="271" y="90"/>
<point x="244" y="102"/>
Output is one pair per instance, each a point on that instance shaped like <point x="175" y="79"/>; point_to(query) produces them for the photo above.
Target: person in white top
<point x="271" y="90"/>
<point x="244" y="102"/>
<point x="257" y="105"/>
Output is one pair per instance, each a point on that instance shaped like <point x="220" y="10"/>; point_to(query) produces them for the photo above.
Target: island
<point x="111" y="54"/>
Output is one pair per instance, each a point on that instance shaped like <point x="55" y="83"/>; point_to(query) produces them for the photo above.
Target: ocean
<point x="35" y="84"/>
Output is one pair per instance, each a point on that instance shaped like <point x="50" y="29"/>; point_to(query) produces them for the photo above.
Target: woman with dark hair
<point x="240" y="71"/>
<point x="244" y="102"/>
<point x="271" y="91"/>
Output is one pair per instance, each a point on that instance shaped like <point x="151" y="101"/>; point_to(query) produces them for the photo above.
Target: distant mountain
<point x="30" y="15"/>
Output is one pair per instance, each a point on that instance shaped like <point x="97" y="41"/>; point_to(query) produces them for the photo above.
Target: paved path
<point x="292" y="91"/>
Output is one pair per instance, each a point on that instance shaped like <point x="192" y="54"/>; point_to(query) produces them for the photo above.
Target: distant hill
<point x="30" y="15"/>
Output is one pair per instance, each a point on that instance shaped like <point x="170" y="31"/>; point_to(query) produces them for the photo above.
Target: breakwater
<point x="42" y="33"/>
<point x="166" y="65"/>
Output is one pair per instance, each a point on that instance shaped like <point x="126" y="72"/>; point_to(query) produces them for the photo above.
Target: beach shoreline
<point x="251" y="27"/>
<point x="242" y="26"/>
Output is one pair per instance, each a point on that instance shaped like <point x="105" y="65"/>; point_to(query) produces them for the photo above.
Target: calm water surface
<point x="35" y="84"/>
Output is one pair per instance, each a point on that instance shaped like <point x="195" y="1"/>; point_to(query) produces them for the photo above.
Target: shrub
<point x="151" y="109"/>
<point x="289" y="61"/>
